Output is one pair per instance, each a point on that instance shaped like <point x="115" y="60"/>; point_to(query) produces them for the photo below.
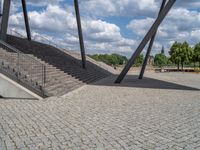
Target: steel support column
<point x="150" y="45"/>
<point x="80" y="33"/>
<point x="28" y="32"/>
<point x="5" y="17"/>
<point x="148" y="36"/>
<point x="0" y="8"/>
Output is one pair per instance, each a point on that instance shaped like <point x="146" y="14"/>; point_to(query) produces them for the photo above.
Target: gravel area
<point x="160" y="112"/>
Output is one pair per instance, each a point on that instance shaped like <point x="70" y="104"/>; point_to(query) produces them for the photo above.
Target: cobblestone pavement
<point x="132" y="116"/>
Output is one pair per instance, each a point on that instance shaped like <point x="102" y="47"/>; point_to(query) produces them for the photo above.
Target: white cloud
<point x="62" y="25"/>
<point x="190" y="4"/>
<point x="180" y="25"/>
<point x="140" y="26"/>
<point x="119" y="7"/>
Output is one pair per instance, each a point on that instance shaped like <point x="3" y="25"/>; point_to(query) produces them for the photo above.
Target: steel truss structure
<point x="5" y="17"/>
<point x="150" y="36"/>
<point x="150" y="46"/>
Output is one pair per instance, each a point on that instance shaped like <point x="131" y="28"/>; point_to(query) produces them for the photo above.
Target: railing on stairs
<point x="22" y="67"/>
<point x="45" y="40"/>
<point x="13" y="32"/>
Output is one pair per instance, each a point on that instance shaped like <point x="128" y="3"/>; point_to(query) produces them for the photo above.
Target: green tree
<point x="181" y="53"/>
<point x="113" y="59"/>
<point x="160" y="60"/>
<point x="196" y="55"/>
<point x="118" y="59"/>
<point x="139" y="60"/>
<point x="186" y="53"/>
<point x="174" y="52"/>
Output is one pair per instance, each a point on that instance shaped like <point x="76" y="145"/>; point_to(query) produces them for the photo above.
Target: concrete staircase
<point x="63" y="71"/>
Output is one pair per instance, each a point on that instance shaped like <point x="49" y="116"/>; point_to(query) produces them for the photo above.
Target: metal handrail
<point x="17" y="33"/>
<point x="45" y="40"/>
<point x="24" y="67"/>
<point x="49" y="42"/>
<point x="18" y="51"/>
<point x="76" y="55"/>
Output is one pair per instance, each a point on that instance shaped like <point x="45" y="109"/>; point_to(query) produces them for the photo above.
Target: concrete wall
<point x="11" y="89"/>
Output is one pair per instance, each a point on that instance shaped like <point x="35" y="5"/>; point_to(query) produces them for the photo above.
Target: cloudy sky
<point x="109" y="26"/>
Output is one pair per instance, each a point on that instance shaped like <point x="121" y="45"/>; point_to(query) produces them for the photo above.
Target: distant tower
<point x="163" y="50"/>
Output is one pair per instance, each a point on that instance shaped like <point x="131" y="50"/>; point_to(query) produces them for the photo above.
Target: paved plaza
<point x="159" y="112"/>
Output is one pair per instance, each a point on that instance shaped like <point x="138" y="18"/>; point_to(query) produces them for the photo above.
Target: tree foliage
<point x="113" y="59"/>
<point x="160" y="60"/>
<point x="181" y="53"/>
<point x="196" y="55"/>
<point x="116" y="59"/>
<point x="139" y="60"/>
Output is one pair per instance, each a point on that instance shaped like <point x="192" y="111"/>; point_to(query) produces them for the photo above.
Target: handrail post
<point x="18" y="64"/>
<point x="43" y="75"/>
<point x="24" y="68"/>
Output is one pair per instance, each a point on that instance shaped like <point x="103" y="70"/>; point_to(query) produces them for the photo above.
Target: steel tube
<point x="80" y="33"/>
<point x="5" y="17"/>
<point x="28" y="32"/>
<point x="150" y="46"/>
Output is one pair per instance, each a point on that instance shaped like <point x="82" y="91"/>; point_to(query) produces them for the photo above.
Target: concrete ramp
<point x="13" y="90"/>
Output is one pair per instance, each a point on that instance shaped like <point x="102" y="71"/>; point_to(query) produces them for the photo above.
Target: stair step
<point x="63" y="71"/>
<point x="65" y="89"/>
<point x="56" y="85"/>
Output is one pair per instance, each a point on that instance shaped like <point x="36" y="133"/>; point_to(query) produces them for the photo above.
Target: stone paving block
<point x="107" y="117"/>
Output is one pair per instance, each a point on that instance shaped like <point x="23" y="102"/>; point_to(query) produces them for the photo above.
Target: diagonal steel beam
<point x="0" y="8"/>
<point x="80" y="33"/>
<point x="148" y="36"/>
<point x="150" y="45"/>
<point x="28" y="31"/>
<point x="4" y="21"/>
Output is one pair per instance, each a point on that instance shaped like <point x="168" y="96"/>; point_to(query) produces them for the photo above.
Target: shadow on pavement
<point x="133" y="81"/>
